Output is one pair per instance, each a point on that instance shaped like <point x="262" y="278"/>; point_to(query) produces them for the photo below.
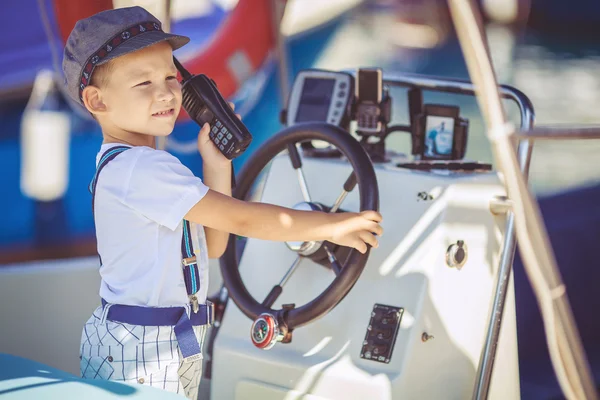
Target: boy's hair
<point x="101" y="75"/>
<point x="96" y="40"/>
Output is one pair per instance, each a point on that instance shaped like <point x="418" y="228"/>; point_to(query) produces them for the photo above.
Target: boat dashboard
<point x="360" y="102"/>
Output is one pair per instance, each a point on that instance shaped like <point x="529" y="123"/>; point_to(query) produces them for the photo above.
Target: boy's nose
<point x="165" y="93"/>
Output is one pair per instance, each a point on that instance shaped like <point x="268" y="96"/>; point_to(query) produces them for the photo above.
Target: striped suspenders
<point x="191" y="271"/>
<point x="201" y="314"/>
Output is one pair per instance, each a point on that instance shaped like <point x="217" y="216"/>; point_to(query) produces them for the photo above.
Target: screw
<point x="425" y="337"/>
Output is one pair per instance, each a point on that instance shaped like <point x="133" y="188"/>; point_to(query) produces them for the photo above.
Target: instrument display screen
<point x="439" y="136"/>
<point x="315" y="99"/>
<point x="320" y="96"/>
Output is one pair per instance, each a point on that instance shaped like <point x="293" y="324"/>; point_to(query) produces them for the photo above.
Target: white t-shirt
<point x="142" y="196"/>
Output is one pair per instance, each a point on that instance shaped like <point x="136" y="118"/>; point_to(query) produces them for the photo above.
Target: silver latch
<point x="189" y="261"/>
<point x="195" y="305"/>
<point x="210" y="318"/>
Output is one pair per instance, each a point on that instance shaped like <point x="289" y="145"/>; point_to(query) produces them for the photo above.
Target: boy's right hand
<point x="357" y="230"/>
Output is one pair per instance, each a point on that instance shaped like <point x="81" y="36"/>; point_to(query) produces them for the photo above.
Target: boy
<point x="151" y="211"/>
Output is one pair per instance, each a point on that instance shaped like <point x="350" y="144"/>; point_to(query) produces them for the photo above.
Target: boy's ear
<point x="92" y="99"/>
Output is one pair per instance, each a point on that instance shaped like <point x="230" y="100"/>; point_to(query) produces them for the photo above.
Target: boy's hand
<point x="210" y="153"/>
<point x="357" y="230"/>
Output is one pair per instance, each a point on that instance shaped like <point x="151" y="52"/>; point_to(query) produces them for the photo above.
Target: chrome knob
<point x="456" y="255"/>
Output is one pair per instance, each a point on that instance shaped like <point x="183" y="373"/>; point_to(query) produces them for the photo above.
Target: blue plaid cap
<point x="107" y="35"/>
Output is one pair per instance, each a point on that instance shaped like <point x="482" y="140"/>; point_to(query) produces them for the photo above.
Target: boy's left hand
<point x="210" y="153"/>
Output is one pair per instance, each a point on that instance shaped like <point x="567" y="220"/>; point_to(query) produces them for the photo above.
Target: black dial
<point x="261" y="330"/>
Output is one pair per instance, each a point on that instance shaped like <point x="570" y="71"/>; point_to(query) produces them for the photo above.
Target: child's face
<point x="142" y="94"/>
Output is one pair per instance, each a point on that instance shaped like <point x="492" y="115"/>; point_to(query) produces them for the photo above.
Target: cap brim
<point x="145" y="40"/>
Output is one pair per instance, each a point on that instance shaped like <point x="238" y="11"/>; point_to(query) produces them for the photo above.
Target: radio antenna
<point x="184" y="72"/>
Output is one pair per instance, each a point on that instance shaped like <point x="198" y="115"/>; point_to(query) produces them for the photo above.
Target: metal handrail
<point x="555" y="133"/>
<point x="564" y="343"/>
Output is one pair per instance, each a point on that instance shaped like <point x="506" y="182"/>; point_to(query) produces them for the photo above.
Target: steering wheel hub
<point x="305" y="248"/>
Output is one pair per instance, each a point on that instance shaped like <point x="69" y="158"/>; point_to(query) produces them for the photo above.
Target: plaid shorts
<point x="147" y="355"/>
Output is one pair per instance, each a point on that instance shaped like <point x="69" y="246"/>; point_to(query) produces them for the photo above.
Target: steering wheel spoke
<point x="278" y="289"/>
<point x="348" y="187"/>
<point x="297" y="164"/>
<point x="272" y="296"/>
<point x="333" y="261"/>
<point x="290" y="271"/>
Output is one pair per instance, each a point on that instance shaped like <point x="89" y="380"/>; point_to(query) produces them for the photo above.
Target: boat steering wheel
<point x="273" y="325"/>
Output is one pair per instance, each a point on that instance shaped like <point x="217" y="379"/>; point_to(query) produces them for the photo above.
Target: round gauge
<point x="260" y="331"/>
<point x="264" y="332"/>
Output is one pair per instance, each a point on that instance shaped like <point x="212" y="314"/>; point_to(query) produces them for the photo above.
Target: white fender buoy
<point x="45" y="140"/>
<point x="507" y="11"/>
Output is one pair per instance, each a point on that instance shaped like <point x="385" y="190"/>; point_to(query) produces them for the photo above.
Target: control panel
<point x="381" y="333"/>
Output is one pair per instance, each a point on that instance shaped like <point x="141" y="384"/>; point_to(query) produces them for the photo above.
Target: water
<point x="559" y="76"/>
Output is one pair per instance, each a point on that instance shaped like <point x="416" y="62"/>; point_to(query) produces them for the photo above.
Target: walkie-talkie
<point x="204" y="103"/>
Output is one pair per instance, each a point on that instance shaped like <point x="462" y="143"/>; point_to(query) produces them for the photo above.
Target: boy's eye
<point x="143" y="83"/>
<point x="171" y="77"/>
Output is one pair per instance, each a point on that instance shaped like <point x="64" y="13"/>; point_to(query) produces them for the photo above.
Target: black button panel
<point x="381" y="333"/>
<point x="338" y="102"/>
<point x="220" y="135"/>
